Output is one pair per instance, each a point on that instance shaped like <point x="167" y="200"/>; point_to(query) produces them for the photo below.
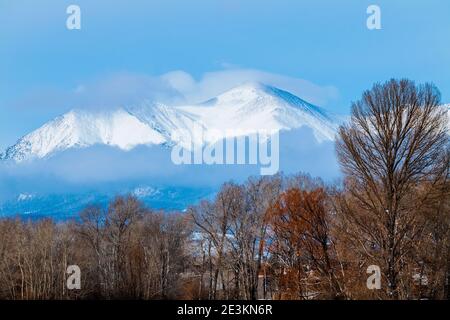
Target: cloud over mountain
<point x="250" y="108"/>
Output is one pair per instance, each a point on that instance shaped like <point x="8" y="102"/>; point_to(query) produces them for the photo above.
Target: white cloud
<point x="175" y="87"/>
<point x="178" y="87"/>
<point x="216" y="82"/>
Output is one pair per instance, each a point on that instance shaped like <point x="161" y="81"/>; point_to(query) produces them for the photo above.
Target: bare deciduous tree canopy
<point x="394" y="152"/>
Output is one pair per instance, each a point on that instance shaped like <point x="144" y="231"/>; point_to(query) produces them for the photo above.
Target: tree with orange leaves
<point x="301" y="246"/>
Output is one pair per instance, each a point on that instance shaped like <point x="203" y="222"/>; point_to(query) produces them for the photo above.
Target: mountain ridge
<point x="250" y="107"/>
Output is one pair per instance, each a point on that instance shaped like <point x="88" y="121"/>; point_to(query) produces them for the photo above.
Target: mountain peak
<point x="254" y="106"/>
<point x="255" y="89"/>
<point x="259" y="93"/>
<point x="250" y="107"/>
<point x="250" y="86"/>
<point x="238" y="94"/>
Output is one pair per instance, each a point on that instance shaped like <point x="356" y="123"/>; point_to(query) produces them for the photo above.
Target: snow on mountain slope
<point x="79" y="128"/>
<point x="249" y="108"/>
<point x="163" y="119"/>
<point x="254" y="106"/>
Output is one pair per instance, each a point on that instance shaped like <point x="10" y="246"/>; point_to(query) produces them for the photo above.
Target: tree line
<point x="277" y="237"/>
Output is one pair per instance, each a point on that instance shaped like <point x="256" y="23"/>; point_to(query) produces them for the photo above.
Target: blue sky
<point x="318" y="49"/>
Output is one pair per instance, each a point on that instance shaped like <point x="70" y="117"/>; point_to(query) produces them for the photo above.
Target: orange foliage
<point x="301" y="245"/>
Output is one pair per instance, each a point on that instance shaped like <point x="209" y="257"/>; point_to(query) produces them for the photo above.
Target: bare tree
<point x="249" y="232"/>
<point x="213" y="222"/>
<point x="396" y="140"/>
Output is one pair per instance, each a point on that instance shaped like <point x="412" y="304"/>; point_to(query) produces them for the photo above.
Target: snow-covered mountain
<point x="78" y="128"/>
<point x="248" y="108"/>
<point x="254" y="106"/>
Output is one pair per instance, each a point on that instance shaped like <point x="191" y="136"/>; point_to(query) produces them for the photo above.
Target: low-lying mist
<point x="108" y="169"/>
